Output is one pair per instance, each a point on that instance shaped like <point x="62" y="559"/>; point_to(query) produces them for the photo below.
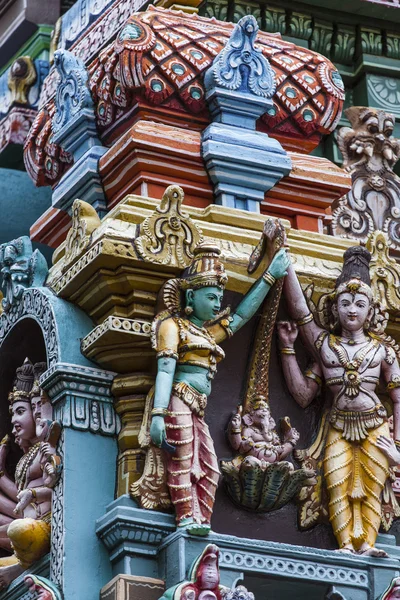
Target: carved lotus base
<point x="257" y="485"/>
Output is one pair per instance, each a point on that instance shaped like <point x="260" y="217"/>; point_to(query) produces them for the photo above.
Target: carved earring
<point x="188" y="310"/>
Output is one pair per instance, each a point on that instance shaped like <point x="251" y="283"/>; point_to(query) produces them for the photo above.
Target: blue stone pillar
<point x="83" y="404"/>
<point x="242" y="163"/>
<point x="74" y="129"/>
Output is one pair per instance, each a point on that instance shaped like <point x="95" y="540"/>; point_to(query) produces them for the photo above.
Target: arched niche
<point x="62" y="326"/>
<point x="43" y="328"/>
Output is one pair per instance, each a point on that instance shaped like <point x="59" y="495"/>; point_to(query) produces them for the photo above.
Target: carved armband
<point x="268" y="278"/>
<point x="167" y="354"/>
<point x="304" y="320"/>
<point x="390" y="355"/>
<point x="311" y="375"/>
<point x="225" y="324"/>
<point x="393" y="383"/>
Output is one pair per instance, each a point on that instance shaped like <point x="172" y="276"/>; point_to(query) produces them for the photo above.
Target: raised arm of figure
<point x="299" y="310"/>
<point x="257" y="293"/>
<point x="302" y="386"/>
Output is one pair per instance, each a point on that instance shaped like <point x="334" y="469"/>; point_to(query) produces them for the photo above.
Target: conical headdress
<point x="355" y="277"/>
<point x="206" y="268"/>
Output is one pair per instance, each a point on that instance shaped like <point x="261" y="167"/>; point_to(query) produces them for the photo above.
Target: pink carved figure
<point x="203" y="583"/>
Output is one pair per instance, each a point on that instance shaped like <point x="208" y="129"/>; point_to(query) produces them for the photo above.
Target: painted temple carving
<point x="204" y="581"/>
<point x="351" y="352"/>
<point x="186" y="338"/>
<point x="26" y="495"/>
<point x="199" y="368"/>
<point x="370" y="152"/>
<point x="259" y="477"/>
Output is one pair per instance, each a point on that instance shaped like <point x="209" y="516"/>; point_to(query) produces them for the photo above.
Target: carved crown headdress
<point x="205" y="270"/>
<point x="23" y="383"/>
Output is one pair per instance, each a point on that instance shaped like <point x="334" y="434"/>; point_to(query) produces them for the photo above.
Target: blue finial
<point x="240" y="65"/>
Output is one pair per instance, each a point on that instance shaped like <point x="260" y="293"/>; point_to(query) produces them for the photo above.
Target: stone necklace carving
<point x="351" y="378"/>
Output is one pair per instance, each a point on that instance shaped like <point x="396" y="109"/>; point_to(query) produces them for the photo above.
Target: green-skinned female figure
<point x="185" y="337"/>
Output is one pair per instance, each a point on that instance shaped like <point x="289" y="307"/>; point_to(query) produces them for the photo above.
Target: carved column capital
<point x="81" y="397"/>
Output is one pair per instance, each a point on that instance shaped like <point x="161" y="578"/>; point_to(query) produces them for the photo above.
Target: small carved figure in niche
<point x="185" y="337"/>
<point x="393" y="591"/>
<point x="35" y="474"/>
<point x="354" y="438"/>
<point x="204" y="581"/>
<point x="259" y="478"/>
<point x="254" y="433"/>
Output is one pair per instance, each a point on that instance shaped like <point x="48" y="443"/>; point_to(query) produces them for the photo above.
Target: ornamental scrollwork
<point x="168" y="235"/>
<point x="73" y="94"/>
<point x="34" y="304"/>
<point x="370" y="153"/>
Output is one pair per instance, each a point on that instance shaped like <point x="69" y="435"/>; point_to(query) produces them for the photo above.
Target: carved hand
<point x="157" y="430"/>
<point x="236" y="422"/>
<point x="292" y="436"/>
<point x="24" y="498"/>
<point x="388" y="447"/>
<point x="287" y="333"/>
<point x="280" y="263"/>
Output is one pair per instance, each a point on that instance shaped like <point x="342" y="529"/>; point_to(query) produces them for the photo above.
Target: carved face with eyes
<point x="24" y="427"/>
<point x="205" y="302"/>
<point x="352" y="310"/>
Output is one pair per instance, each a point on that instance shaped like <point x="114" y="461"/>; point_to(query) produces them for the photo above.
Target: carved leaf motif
<point x="169" y="236"/>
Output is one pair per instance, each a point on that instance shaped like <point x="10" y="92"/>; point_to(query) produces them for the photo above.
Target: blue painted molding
<point x="242" y="163"/>
<point x="79" y="18"/>
<point x="74" y="129"/>
<point x="81" y="397"/>
<point x="145" y="543"/>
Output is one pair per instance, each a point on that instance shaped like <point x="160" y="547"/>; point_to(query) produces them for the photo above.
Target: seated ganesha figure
<point x="35" y="475"/>
<point x="254" y="434"/>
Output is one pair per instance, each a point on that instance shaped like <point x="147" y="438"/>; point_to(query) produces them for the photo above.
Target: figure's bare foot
<point x="347" y="549"/>
<point x="367" y="550"/>
<point x="8" y="574"/>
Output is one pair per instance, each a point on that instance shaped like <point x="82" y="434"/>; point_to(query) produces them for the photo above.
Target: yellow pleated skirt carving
<point x="355" y="475"/>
